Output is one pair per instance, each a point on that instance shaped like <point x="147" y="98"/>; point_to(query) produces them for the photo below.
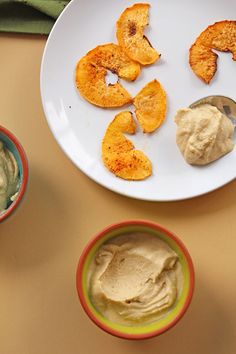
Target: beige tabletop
<point x="41" y="243"/>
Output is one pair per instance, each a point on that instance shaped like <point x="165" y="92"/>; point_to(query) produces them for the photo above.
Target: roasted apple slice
<point x="219" y="36"/>
<point x="130" y="34"/>
<point x="203" y="62"/>
<point x="150" y="106"/>
<point x="91" y="73"/>
<point x="118" y="152"/>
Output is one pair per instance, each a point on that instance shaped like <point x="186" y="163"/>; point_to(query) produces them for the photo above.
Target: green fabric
<point x="29" y="16"/>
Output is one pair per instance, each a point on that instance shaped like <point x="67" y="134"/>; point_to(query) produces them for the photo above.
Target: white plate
<point x="79" y="126"/>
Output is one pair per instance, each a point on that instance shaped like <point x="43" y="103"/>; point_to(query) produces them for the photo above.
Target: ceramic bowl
<point x="12" y="144"/>
<point x="172" y="316"/>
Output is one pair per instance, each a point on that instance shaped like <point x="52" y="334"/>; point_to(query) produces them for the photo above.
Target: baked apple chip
<point x="219" y="36"/>
<point x="91" y="73"/>
<point x="203" y="62"/>
<point x="118" y="152"/>
<point x="150" y="106"/>
<point x="130" y="34"/>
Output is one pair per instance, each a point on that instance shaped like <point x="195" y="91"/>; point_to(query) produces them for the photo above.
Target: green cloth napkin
<point x="29" y="16"/>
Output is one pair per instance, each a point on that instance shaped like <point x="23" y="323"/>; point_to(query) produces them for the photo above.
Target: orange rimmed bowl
<point x="14" y="146"/>
<point x="140" y="331"/>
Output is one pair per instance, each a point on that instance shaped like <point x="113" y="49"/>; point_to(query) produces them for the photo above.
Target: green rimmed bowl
<point x="139" y="331"/>
<point x="12" y="144"/>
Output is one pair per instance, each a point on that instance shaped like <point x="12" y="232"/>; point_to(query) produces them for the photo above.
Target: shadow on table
<point x="29" y="236"/>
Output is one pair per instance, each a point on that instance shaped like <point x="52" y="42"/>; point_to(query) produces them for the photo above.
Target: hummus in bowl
<point x="13" y="173"/>
<point x="135" y="279"/>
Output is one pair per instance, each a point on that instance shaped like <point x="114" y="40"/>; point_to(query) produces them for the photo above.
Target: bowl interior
<point x="175" y="312"/>
<point x="9" y="144"/>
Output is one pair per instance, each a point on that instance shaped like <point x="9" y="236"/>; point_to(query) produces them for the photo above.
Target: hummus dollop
<point x="204" y="134"/>
<point x="9" y="177"/>
<point x="134" y="277"/>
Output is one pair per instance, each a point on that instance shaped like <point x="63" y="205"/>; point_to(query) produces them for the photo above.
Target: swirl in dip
<point x="134" y="277"/>
<point x="204" y="134"/>
<point x="9" y="177"/>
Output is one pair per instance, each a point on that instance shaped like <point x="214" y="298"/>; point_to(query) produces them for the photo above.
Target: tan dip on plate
<point x="204" y="134"/>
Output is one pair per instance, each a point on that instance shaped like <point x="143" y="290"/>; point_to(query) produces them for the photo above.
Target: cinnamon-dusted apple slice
<point x="130" y="34"/>
<point x="219" y="36"/>
<point x="91" y="72"/>
<point x="118" y="152"/>
<point x="203" y="62"/>
<point x="150" y="106"/>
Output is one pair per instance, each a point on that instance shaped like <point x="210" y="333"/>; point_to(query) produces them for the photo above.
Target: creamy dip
<point x="9" y="177"/>
<point x="204" y="134"/>
<point x="134" y="277"/>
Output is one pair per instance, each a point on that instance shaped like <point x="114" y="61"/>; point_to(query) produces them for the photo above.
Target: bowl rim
<point x="25" y="175"/>
<point x="100" y="235"/>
